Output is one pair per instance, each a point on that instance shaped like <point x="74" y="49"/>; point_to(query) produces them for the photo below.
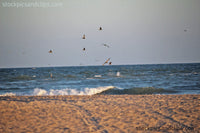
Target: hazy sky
<point x="138" y="32"/>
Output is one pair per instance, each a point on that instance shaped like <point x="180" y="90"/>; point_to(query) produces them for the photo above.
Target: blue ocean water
<point x="90" y="80"/>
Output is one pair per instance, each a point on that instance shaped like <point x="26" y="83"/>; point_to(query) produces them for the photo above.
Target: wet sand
<point x="100" y="113"/>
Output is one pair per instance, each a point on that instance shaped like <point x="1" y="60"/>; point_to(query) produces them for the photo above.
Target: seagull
<point x="100" y="28"/>
<point x="50" y="51"/>
<point x="106" y="45"/>
<point x="106" y="61"/>
<point x="83" y="36"/>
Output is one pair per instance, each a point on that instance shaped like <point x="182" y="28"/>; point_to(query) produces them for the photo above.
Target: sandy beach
<point x="100" y="113"/>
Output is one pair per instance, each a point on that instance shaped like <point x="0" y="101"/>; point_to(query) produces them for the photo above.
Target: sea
<point x="101" y="80"/>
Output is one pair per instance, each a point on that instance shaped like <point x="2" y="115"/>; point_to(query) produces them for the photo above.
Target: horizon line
<point x="99" y="65"/>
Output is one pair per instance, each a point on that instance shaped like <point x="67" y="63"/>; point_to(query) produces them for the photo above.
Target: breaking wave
<point x="8" y="94"/>
<point x="84" y="91"/>
<point x="105" y="90"/>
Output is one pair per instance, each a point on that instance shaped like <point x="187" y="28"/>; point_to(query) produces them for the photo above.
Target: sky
<point x="137" y="31"/>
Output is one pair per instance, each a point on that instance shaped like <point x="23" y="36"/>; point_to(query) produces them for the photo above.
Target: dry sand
<point x="100" y="113"/>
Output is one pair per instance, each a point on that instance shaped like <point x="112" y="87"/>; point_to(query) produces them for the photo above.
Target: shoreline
<point x="100" y="113"/>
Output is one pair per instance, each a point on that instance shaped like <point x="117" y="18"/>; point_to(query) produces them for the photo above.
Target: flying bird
<point x="106" y="45"/>
<point x="100" y="28"/>
<point x="50" y="51"/>
<point x="106" y="61"/>
<point x="83" y="36"/>
<point x="83" y="49"/>
<point x="110" y="63"/>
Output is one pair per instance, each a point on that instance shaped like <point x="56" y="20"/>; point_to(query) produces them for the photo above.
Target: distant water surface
<point x="90" y="80"/>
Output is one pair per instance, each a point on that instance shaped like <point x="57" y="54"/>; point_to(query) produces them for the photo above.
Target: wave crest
<point x="137" y="91"/>
<point x="67" y="91"/>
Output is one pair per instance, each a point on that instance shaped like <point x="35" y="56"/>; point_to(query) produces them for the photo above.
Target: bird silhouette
<point x="50" y="51"/>
<point x="100" y="28"/>
<point x="106" y="45"/>
<point x="83" y="36"/>
<point x="106" y="61"/>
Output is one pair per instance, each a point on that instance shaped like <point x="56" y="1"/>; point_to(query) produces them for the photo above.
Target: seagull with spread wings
<point x="106" y="61"/>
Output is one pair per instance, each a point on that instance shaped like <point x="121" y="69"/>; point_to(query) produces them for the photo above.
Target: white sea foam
<point x="118" y="74"/>
<point x="67" y="91"/>
<point x="97" y="76"/>
<point x="39" y="92"/>
<point x="8" y="94"/>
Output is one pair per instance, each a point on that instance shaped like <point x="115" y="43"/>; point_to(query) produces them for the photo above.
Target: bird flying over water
<point x="106" y="61"/>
